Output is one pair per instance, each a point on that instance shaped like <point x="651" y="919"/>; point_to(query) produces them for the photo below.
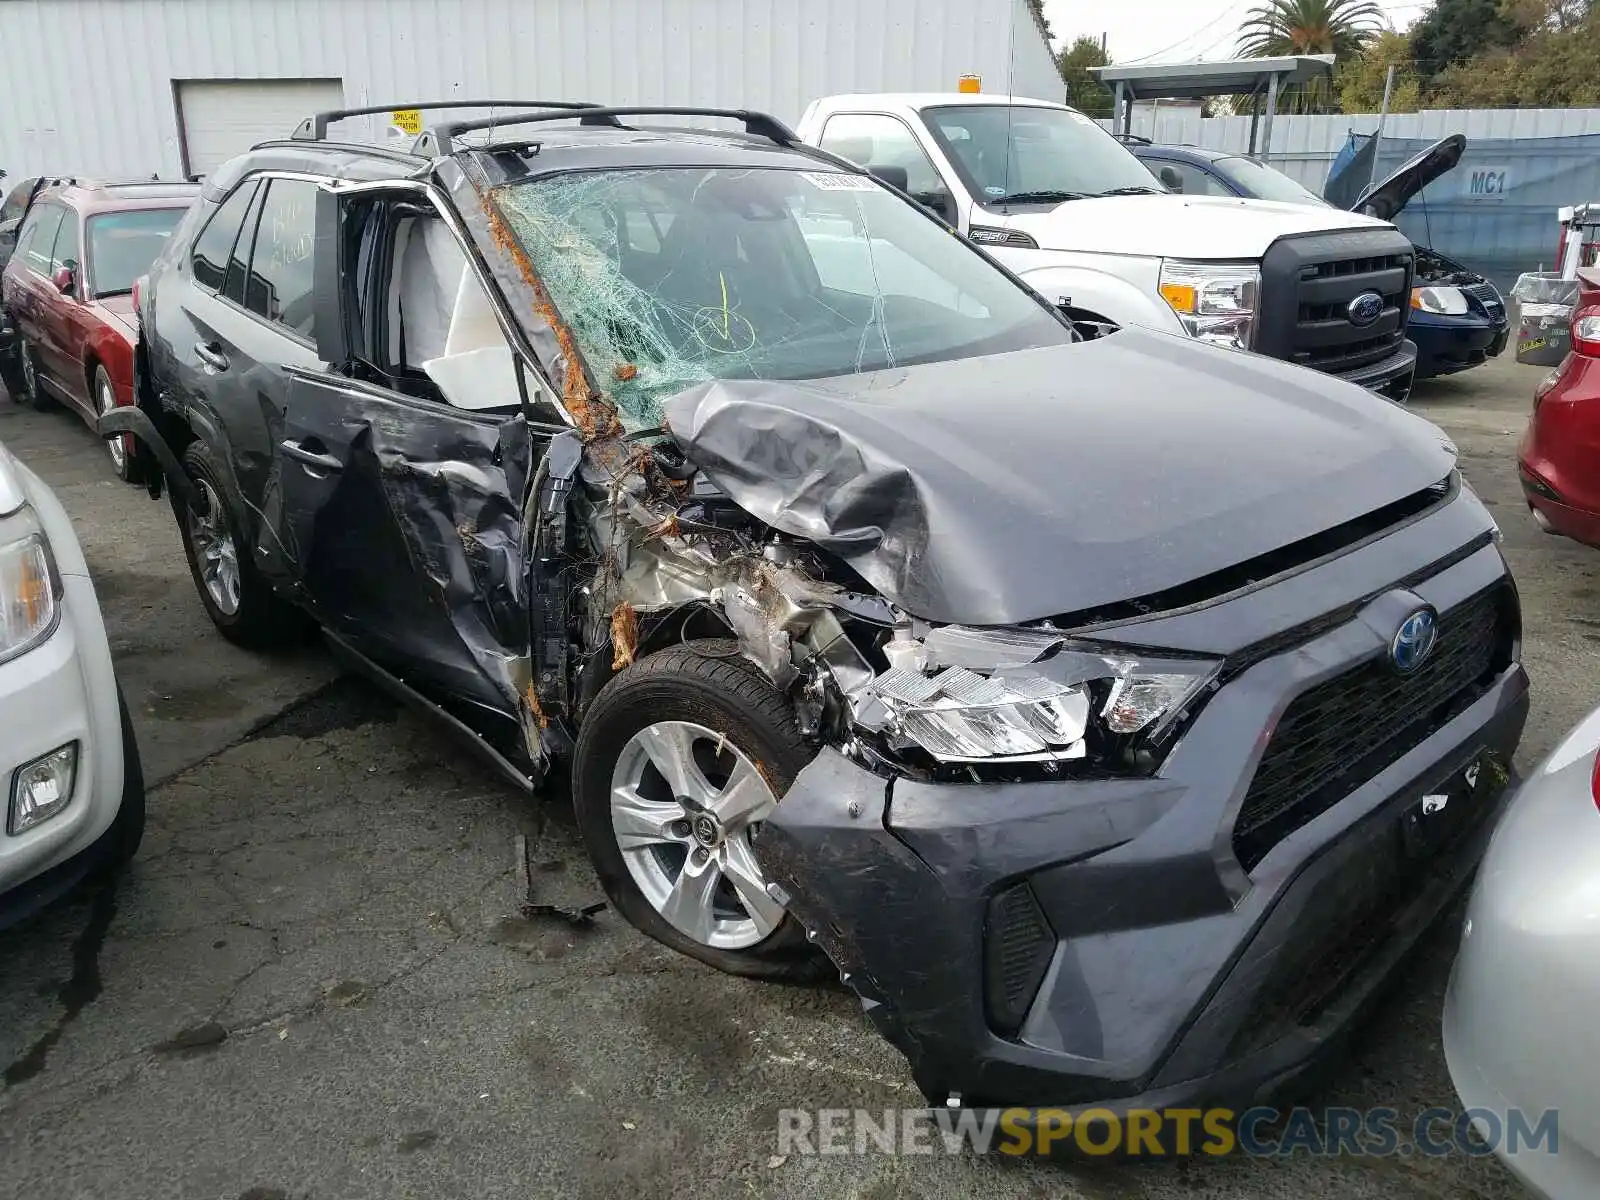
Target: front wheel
<point x="682" y="756"/>
<point x="240" y="603"/>
<point x="120" y="447"/>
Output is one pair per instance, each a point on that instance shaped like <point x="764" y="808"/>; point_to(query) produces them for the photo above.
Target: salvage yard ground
<point x="314" y="982"/>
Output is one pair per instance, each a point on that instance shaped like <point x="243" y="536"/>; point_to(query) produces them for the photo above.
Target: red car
<point x="1559" y="459"/>
<point x="68" y="292"/>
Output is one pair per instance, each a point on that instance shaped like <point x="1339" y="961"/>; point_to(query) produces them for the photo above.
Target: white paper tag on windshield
<point x="838" y="181"/>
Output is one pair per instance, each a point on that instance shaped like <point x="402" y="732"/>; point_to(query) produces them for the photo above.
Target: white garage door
<point x="222" y="118"/>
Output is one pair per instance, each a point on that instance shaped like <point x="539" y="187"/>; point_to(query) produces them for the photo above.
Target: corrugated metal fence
<point x="1495" y="211"/>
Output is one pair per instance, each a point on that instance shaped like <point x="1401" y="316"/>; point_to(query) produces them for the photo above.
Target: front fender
<point x="1102" y="293"/>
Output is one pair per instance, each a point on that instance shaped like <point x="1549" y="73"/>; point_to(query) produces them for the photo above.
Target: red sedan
<point x="68" y="292"/>
<point x="1559" y="459"/>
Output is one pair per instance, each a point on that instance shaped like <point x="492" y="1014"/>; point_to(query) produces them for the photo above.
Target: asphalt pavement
<point x="313" y="982"/>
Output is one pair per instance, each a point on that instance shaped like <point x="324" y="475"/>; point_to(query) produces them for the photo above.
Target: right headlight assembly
<point x="976" y="696"/>
<point x="1217" y="302"/>
<point x="30" y="588"/>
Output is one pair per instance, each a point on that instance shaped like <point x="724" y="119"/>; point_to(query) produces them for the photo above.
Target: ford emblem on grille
<point x="1365" y="309"/>
<point x="1414" y="640"/>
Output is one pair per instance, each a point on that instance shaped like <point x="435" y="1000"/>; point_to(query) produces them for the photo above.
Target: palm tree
<point x="1339" y="27"/>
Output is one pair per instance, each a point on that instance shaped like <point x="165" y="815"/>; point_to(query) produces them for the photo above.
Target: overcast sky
<point x="1173" y="30"/>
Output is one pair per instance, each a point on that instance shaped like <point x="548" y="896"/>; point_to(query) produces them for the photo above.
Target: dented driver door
<point x="399" y="522"/>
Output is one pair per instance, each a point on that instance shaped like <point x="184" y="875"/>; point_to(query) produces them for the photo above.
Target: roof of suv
<point x="91" y="197"/>
<point x="1193" y="153"/>
<point x="543" y="147"/>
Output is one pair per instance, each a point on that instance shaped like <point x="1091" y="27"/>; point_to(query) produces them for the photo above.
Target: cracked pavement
<point x="314" y="981"/>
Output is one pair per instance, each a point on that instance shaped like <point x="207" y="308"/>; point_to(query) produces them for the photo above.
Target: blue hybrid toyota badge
<point x="1414" y="640"/>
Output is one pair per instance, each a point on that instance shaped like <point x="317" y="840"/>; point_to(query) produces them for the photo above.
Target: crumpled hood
<point x="1015" y="487"/>
<point x="1167" y="226"/>
<point x="1394" y="191"/>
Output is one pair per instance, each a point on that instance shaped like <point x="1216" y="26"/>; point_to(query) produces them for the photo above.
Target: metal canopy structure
<point x="1190" y="81"/>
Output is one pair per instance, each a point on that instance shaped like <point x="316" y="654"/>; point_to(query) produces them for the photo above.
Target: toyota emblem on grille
<point x="1413" y="641"/>
<point x="1365" y="309"/>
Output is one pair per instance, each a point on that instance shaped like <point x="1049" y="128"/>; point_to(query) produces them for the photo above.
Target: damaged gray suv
<point x="1113" y="712"/>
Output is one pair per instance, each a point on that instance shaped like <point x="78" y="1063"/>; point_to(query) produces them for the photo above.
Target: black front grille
<point x="1018" y="946"/>
<point x="1488" y="298"/>
<point x="1308" y="284"/>
<point x="1341" y="733"/>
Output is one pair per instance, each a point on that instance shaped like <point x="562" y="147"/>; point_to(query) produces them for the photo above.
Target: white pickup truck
<point x="1063" y="204"/>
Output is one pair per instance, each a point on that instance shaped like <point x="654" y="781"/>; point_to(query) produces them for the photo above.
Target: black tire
<point x="703" y="683"/>
<point x="262" y="620"/>
<point x="31" y="395"/>
<point x="127" y="831"/>
<point x="128" y="469"/>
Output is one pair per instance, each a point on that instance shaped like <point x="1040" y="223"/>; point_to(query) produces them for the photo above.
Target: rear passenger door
<point x="399" y="474"/>
<point x="230" y="340"/>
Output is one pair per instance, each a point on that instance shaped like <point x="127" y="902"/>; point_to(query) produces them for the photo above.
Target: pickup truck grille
<point x="1307" y="285"/>
<point x="1341" y="733"/>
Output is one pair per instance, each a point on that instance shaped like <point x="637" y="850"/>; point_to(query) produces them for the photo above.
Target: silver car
<point x="1519" y="1017"/>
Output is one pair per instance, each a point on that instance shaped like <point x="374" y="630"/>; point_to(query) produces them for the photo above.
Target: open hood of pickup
<point x="1167" y="226"/>
<point x="1019" y="486"/>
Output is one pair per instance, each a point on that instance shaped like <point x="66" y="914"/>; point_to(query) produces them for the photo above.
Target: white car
<point x="74" y="791"/>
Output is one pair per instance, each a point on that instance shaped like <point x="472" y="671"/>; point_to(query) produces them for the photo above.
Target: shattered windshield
<point x="1027" y="154"/>
<point x="670" y="277"/>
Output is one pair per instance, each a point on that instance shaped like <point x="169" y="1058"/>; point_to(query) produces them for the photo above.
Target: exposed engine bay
<point x="1435" y="268"/>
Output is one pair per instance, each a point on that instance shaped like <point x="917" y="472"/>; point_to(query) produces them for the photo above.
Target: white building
<point x="131" y="88"/>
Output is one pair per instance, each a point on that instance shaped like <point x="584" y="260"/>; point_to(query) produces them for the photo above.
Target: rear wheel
<point x="32" y="394"/>
<point x="121" y="447"/>
<point x="682" y="756"/>
<point x="238" y="600"/>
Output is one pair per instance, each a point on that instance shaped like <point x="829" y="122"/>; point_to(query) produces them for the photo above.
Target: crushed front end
<point x="1199" y="924"/>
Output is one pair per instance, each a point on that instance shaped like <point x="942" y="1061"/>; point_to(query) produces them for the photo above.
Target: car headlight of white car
<point x="1217" y="302"/>
<point x="1441" y="301"/>
<point x="30" y="587"/>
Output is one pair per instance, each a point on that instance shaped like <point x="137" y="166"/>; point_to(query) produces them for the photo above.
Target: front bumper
<point x="1446" y="345"/>
<point x="61" y="691"/>
<point x="1156" y="970"/>
<point x="1391" y="377"/>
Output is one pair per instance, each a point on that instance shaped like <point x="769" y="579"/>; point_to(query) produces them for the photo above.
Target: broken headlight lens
<point x="980" y="695"/>
<point x="1216" y="302"/>
<point x="30" y="590"/>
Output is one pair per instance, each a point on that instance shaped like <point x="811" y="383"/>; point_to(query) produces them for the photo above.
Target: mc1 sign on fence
<point x="1485" y="183"/>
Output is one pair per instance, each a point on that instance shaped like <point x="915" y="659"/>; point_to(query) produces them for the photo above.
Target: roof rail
<point x="756" y="123"/>
<point x="315" y="127"/>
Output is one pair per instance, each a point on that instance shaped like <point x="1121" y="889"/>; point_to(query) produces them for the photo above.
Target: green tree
<point x="1552" y="67"/>
<point x="1454" y="31"/>
<point x="1339" y="27"/>
<point x="1359" y="81"/>
<point x="1036" y="7"/>
<point x="1084" y="91"/>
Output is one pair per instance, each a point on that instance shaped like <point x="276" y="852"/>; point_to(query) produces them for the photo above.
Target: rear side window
<point x="239" y="261"/>
<point x="67" y="251"/>
<point x="281" y="287"/>
<point x="39" y="237"/>
<point x="215" y="243"/>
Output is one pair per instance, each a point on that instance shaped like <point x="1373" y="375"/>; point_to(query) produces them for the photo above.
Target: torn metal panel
<point x="421" y="495"/>
<point x="1003" y="489"/>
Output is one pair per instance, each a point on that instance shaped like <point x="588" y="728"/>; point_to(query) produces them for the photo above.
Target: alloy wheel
<point x="105" y="401"/>
<point x="30" y="376"/>
<point x="215" y="552"/>
<point x="684" y="803"/>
